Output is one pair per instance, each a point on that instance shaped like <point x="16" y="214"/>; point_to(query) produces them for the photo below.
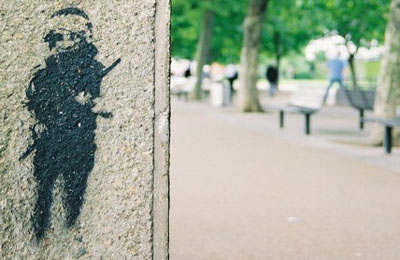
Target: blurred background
<point x="297" y="37"/>
<point x="285" y="129"/>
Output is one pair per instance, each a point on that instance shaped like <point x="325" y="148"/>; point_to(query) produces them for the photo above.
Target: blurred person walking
<point x="231" y="74"/>
<point x="336" y="68"/>
<point x="272" y="77"/>
<point x="188" y="72"/>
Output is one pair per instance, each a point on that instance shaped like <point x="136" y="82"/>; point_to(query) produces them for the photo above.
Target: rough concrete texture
<point x="162" y="131"/>
<point x="116" y="218"/>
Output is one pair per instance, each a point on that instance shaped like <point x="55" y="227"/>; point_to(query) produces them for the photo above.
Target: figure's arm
<point x="32" y="90"/>
<point x="93" y="88"/>
<point x="31" y="147"/>
<point x="105" y="114"/>
<point x="106" y="71"/>
<point x="28" y="151"/>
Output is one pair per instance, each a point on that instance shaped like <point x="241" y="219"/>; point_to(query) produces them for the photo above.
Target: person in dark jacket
<point x="231" y="74"/>
<point x="272" y="77"/>
<point x="188" y="72"/>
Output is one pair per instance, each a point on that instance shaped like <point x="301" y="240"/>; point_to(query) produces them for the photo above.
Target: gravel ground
<point x="241" y="188"/>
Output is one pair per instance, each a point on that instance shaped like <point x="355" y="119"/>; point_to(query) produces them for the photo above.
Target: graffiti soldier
<point x="61" y="98"/>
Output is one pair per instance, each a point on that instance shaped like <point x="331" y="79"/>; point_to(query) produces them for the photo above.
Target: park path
<point x="241" y="191"/>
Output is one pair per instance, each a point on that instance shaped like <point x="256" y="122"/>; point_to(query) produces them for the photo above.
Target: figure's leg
<point x="45" y="178"/>
<point x="231" y="80"/>
<point x="273" y="90"/>
<point x="233" y="91"/>
<point x="327" y="91"/>
<point x="75" y="182"/>
<point x="270" y="89"/>
<point x="75" y="187"/>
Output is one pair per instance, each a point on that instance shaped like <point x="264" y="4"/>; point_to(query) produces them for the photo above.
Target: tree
<point x="187" y="15"/>
<point x="187" y="22"/>
<point x="252" y="29"/>
<point x="185" y="28"/>
<point x="290" y="25"/>
<point x="358" y="22"/>
<point x="388" y="92"/>
<point x="228" y="31"/>
<point x="207" y="31"/>
<point x="203" y="50"/>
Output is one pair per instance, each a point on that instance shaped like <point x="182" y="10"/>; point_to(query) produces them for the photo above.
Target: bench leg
<point x="307" y="118"/>
<point x="281" y="118"/>
<point x="388" y="139"/>
<point x="361" y="119"/>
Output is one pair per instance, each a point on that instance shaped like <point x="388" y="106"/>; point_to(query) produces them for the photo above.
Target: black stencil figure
<point x="61" y="98"/>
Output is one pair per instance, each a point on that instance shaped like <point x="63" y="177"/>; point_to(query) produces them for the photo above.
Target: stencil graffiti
<point x="61" y="98"/>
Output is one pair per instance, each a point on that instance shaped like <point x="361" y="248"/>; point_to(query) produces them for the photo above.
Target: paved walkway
<point x="243" y="189"/>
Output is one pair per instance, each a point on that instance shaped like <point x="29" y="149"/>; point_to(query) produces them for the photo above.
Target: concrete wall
<point x="84" y="129"/>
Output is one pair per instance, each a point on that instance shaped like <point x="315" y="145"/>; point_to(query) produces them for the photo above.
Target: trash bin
<point x="220" y="93"/>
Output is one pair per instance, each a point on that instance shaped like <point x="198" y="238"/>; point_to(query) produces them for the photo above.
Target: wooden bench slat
<point x="394" y="122"/>
<point x="306" y="101"/>
<point x="361" y="99"/>
<point x="310" y="97"/>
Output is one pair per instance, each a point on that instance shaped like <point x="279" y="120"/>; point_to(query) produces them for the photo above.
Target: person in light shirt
<point x="336" y="68"/>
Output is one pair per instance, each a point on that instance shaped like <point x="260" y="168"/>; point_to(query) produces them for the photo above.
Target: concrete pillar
<point x="84" y="129"/>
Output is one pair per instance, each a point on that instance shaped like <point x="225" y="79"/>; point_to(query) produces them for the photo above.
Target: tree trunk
<point x="354" y="80"/>
<point x="353" y="73"/>
<point x="203" y="51"/>
<point x="388" y="92"/>
<point x="252" y="28"/>
<point x="352" y="65"/>
<point x="278" y="54"/>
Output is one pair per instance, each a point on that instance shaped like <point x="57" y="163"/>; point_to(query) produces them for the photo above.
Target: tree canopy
<point x="227" y="31"/>
<point x="289" y="26"/>
<point x="357" y="21"/>
<point x="291" y="22"/>
<point x="185" y="23"/>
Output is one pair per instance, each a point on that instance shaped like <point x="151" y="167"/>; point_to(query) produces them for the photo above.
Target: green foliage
<point x="289" y="26"/>
<point x="227" y="32"/>
<point x="358" y="21"/>
<point x="372" y="70"/>
<point x="295" y="22"/>
<point x="185" y="27"/>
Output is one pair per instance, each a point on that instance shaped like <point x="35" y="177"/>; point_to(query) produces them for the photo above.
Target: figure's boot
<point x="41" y="214"/>
<point x="74" y="192"/>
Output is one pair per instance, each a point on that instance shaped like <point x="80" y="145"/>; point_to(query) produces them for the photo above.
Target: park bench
<point x="306" y="101"/>
<point x="389" y="124"/>
<point x="361" y="101"/>
<point x="180" y="87"/>
<point x="182" y="94"/>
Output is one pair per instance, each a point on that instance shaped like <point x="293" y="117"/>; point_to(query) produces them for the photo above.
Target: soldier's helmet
<point x="68" y="27"/>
